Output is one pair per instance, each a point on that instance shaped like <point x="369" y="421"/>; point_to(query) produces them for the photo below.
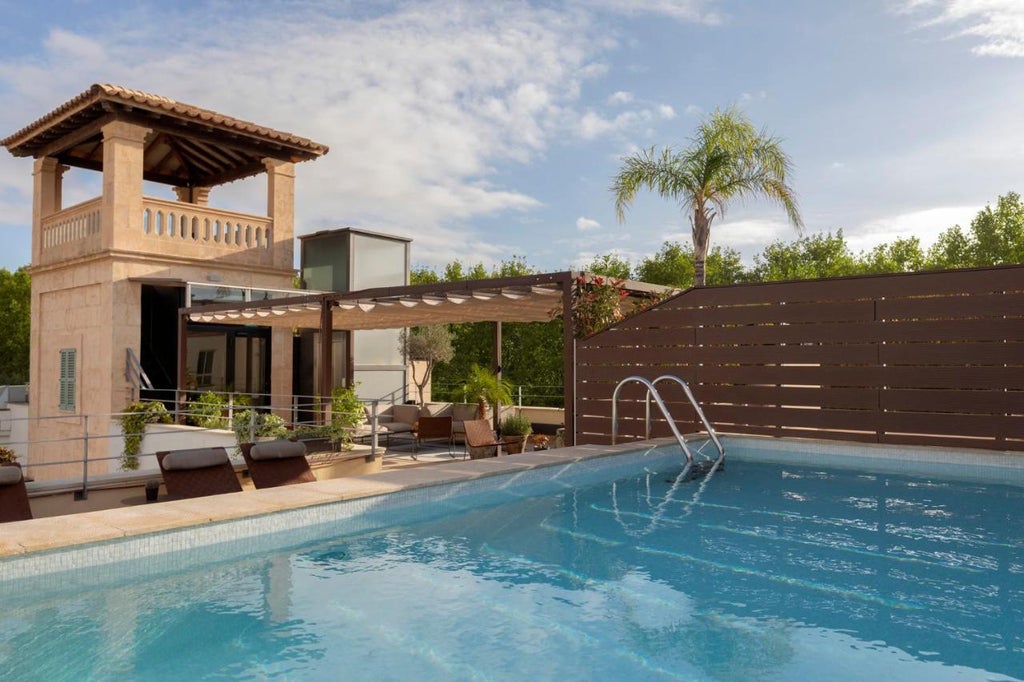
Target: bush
<point x="207" y="411"/>
<point x="516" y="425"/>
<point x="249" y="424"/>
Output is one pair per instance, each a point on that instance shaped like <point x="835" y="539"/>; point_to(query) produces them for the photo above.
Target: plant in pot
<point x="133" y="428"/>
<point x="249" y="425"/>
<point x="514" y="430"/>
<point x="7" y="456"/>
<point x="484" y="388"/>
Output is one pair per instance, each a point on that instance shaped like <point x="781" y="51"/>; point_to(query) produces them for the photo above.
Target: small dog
<point x="539" y="441"/>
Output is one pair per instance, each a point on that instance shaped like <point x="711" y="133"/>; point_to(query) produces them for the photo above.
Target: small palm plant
<point x="484" y="388"/>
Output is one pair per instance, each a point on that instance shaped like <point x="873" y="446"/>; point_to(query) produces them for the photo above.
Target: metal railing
<point x="92" y="441"/>
<point x="652" y="392"/>
<point x="534" y="395"/>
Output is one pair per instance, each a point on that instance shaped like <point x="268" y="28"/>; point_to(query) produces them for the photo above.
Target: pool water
<point x="768" y="572"/>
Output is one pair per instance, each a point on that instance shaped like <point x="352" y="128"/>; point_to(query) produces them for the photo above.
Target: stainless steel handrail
<point x="694" y="403"/>
<point x="652" y="392"/>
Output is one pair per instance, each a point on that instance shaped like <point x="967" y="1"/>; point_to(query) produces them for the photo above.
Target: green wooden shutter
<point x="67" y="379"/>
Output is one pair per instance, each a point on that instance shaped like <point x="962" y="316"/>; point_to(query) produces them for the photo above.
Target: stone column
<point x="121" y="218"/>
<point x="200" y="196"/>
<point x="46" y="199"/>
<point x="281" y="210"/>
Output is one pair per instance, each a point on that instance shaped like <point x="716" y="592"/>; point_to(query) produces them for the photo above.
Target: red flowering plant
<point x="598" y="303"/>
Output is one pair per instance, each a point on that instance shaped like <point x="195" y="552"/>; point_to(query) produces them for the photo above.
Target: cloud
<point x="593" y="125"/>
<point x="74" y="46"/>
<point x="621" y="97"/>
<point x="925" y="224"/>
<point x="693" y="110"/>
<point x="586" y="224"/>
<point x="747" y="97"/>
<point x="997" y="24"/>
<point x="420" y="103"/>
<point x="695" y="11"/>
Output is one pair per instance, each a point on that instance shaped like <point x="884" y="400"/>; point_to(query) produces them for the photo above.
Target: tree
<point x="953" y="249"/>
<point x="673" y="266"/>
<point x="820" y="255"/>
<point x="422" y="274"/>
<point x="999" y="234"/>
<point x="609" y="265"/>
<point x="15" y="300"/>
<point x="727" y="160"/>
<point x="429" y="344"/>
<point x="902" y="255"/>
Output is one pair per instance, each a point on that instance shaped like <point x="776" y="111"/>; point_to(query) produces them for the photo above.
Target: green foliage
<point x="429" y="344"/>
<point x="901" y="255"/>
<point x="207" y="411"/>
<point x="15" y="299"/>
<point x="953" y="249"/>
<point x="251" y="424"/>
<point x="532" y="351"/>
<point x="727" y="160"/>
<point x="7" y="455"/>
<point x="998" y="235"/>
<point x="819" y="255"/>
<point x="609" y="265"/>
<point x="516" y="425"/>
<point x="346" y="414"/>
<point x="133" y="428"/>
<point x="598" y="304"/>
<point x="673" y="266"/>
<point x="422" y="274"/>
<point x="484" y="388"/>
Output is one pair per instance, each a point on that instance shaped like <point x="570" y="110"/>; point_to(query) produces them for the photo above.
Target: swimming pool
<point x="778" y="570"/>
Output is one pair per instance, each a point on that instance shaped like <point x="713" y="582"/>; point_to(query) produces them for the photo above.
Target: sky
<point x="485" y="130"/>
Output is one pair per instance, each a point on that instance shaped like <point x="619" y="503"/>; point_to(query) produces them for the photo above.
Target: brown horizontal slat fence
<point x="932" y="358"/>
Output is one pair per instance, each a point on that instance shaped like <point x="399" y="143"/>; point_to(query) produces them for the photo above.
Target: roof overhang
<point x="528" y="298"/>
<point x="188" y="146"/>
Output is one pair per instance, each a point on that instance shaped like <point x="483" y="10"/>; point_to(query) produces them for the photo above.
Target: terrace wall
<point x="932" y="358"/>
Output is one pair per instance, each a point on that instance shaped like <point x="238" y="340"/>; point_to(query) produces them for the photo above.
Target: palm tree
<point x="727" y="159"/>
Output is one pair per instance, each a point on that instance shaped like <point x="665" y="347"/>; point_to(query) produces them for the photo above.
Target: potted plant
<point x="250" y="425"/>
<point x="133" y="428"/>
<point x="7" y="456"/>
<point x="484" y="388"/>
<point x="514" y="430"/>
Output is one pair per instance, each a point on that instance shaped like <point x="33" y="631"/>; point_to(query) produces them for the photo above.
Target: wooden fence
<point x="931" y="358"/>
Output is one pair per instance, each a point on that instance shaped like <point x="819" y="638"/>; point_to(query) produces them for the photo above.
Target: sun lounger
<point x="277" y="462"/>
<point x="13" y="496"/>
<point x="198" y="472"/>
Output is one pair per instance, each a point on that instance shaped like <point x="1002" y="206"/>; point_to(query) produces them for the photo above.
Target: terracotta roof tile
<point x="106" y="92"/>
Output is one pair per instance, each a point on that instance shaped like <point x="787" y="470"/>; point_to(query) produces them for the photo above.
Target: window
<point x="67" y="379"/>
<point x="204" y="368"/>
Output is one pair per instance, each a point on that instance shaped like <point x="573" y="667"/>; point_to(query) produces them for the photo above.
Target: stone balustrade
<point x="168" y="227"/>
<point x="73" y="224"/>
<point x="172" y="220"/>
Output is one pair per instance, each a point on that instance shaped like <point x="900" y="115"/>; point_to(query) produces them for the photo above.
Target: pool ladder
<point x="652" y="392"/>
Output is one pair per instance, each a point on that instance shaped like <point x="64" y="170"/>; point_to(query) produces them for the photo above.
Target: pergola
<point x="527" y="298"/>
